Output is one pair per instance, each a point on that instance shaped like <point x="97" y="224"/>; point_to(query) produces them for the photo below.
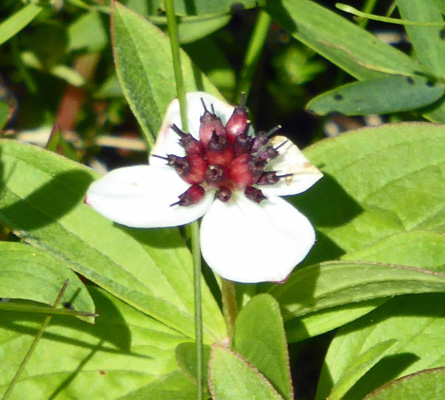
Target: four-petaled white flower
<point x="227" y="176"/>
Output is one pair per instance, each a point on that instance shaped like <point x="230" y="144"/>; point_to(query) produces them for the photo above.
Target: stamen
<point x="224" y="194"/>
<point x="273" y="130"/>
<point x="161" y="157"/>
<point x="177" y="130"/>
<point x="191" y="196"/>
<point x="281" y="145"/>
<point x="242" y="102"/>
<point x="204" y="105"/>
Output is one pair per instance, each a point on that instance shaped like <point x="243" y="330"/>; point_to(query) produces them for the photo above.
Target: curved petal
<point x="290" y="161"/>
<point x="167" y="141"/>
<point x="247" y="242"/>
<point x="141" y="197"/>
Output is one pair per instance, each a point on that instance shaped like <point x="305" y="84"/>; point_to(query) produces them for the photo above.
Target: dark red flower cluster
<point x="225" y="158"/>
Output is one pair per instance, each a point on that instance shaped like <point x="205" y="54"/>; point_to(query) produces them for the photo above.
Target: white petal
<point x="247" y="242"/>
<point x="141" y="196"/>
<point x="167" y="141"/>
<point x="290" y="161"/>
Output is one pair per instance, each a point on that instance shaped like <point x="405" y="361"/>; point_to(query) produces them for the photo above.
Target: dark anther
<point x="177" y="130"/>
<point x="224" y="194"/>
<point x="256" y="164"/>
<point x="215" y="174"/>
<point x="217" y="142"/>
<point x="192" y="195"/>
<point x="254" y="194"/>
<point x="269" y="153"/>
<point x="268" y="178"/>
<point x="259" y="141"/>
<point x="243" y="143"/>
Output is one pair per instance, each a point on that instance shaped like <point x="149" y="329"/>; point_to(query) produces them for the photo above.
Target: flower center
<point x="225" y="158"/>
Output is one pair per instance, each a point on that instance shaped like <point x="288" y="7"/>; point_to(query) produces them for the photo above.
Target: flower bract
<point x="220" y="171"/>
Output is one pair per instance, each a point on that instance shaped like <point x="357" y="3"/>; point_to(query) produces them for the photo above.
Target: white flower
<point x="248" y="233"/>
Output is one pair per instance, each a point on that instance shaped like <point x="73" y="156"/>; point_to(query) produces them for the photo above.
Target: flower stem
<point x="28" y="355"/>
<point x="253" y="53"/>
<point x="172" y="29"/>
<point x="230" y="311"/>
<point x="194" y="227"/>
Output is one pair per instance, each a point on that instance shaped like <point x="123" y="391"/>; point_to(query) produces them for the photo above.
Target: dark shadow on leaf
<point x="324" y="250"/>
<point x="388" y="369"/>
<point x="110" y="328"/>
<point x="327" y="204"/>
<point x="48" y="203"/>
<point x="158" y="238"/>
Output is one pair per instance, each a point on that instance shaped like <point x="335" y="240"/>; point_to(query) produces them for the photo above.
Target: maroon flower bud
<point x="268" y="178"/>
<point x="259" y="141"/>
<point x="241" y="173"/>
<point x="254" y="194"/>
<point x="188" y="142"/>
<point x="238" y="122"/>
<point x="210" y="124"/>
<point x="216" y="175"/>
<point x="219" y="151"/>
<point x="224" y="194"/>
<point x="242" y="144"/>
<point x="192" y="195"/>
<point x="190" y="168"/>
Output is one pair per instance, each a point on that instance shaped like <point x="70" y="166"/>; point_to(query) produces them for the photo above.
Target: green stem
<point x="196" y="252"/>
<point x="36" y="340"/>
<point x="230" y="311"/>
<point x="368" y="8"/>
<point x="194" y="227"/>
<point x="357" y="13"/>
<point x="172" y="29"/>
<point x="254" y="49"/>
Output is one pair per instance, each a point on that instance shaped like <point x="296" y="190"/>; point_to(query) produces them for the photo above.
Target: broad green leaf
<point x="124" y="351"/>
<point x="336" y="283"/>
<point x="441" y="5"/>
<point x="377" y="182"/>
<point x="259" y="337"/>
<point x="186" y="356"/>
<point x="175" y="386"/>
<point x="16" y="22"/>
<point x="359" y="367"/>
<point x="203" y="7"/>
<point x="232" y="377"/>
<point x="150" y="269"/>
<point x="145" y="70"/>
<point x="87" y="33"/>
<point x="420" y="249"/>
<point x="417" y="323"/>
<point x="314" y="324"/>
<point x="5" y="113"/>
<point x="344" y="43"/>
<point x="426" y="384"/>
<point x="33" y="274"/>
<point x="191" y="29"/>
<point x="378" y="96"/>
<point x="428" y="42"/>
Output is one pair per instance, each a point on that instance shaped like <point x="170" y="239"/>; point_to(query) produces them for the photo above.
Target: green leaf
<point x="150" y="269"/>
<point x="87" y="33"/>
<point x="314" y="324"/>
<point x="191" y="29"/>
<point x="426" y="384"/>
<point x="5" y="114"/>
<point x="175" y="386"/>
<point x="347" y="45"/>
<point x="231" y="377"/>
<point x="336" y="283"/>
<point x="260" y="339"/>
<point x="186" y="357"/>
<point x="362" y="364"/>
<point x="33" y="274"/>
<point x="421" y="249"/>
<point x="428" y="42"/>
<point x="124" y="351"/>
<point x="144" y="68"/>
<point x="203" y="7"/>
<point x="16" y="22"/>
<point x="377" y="182"/>
<point x="417" y="323"/>
<point x="378" y="96"/>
